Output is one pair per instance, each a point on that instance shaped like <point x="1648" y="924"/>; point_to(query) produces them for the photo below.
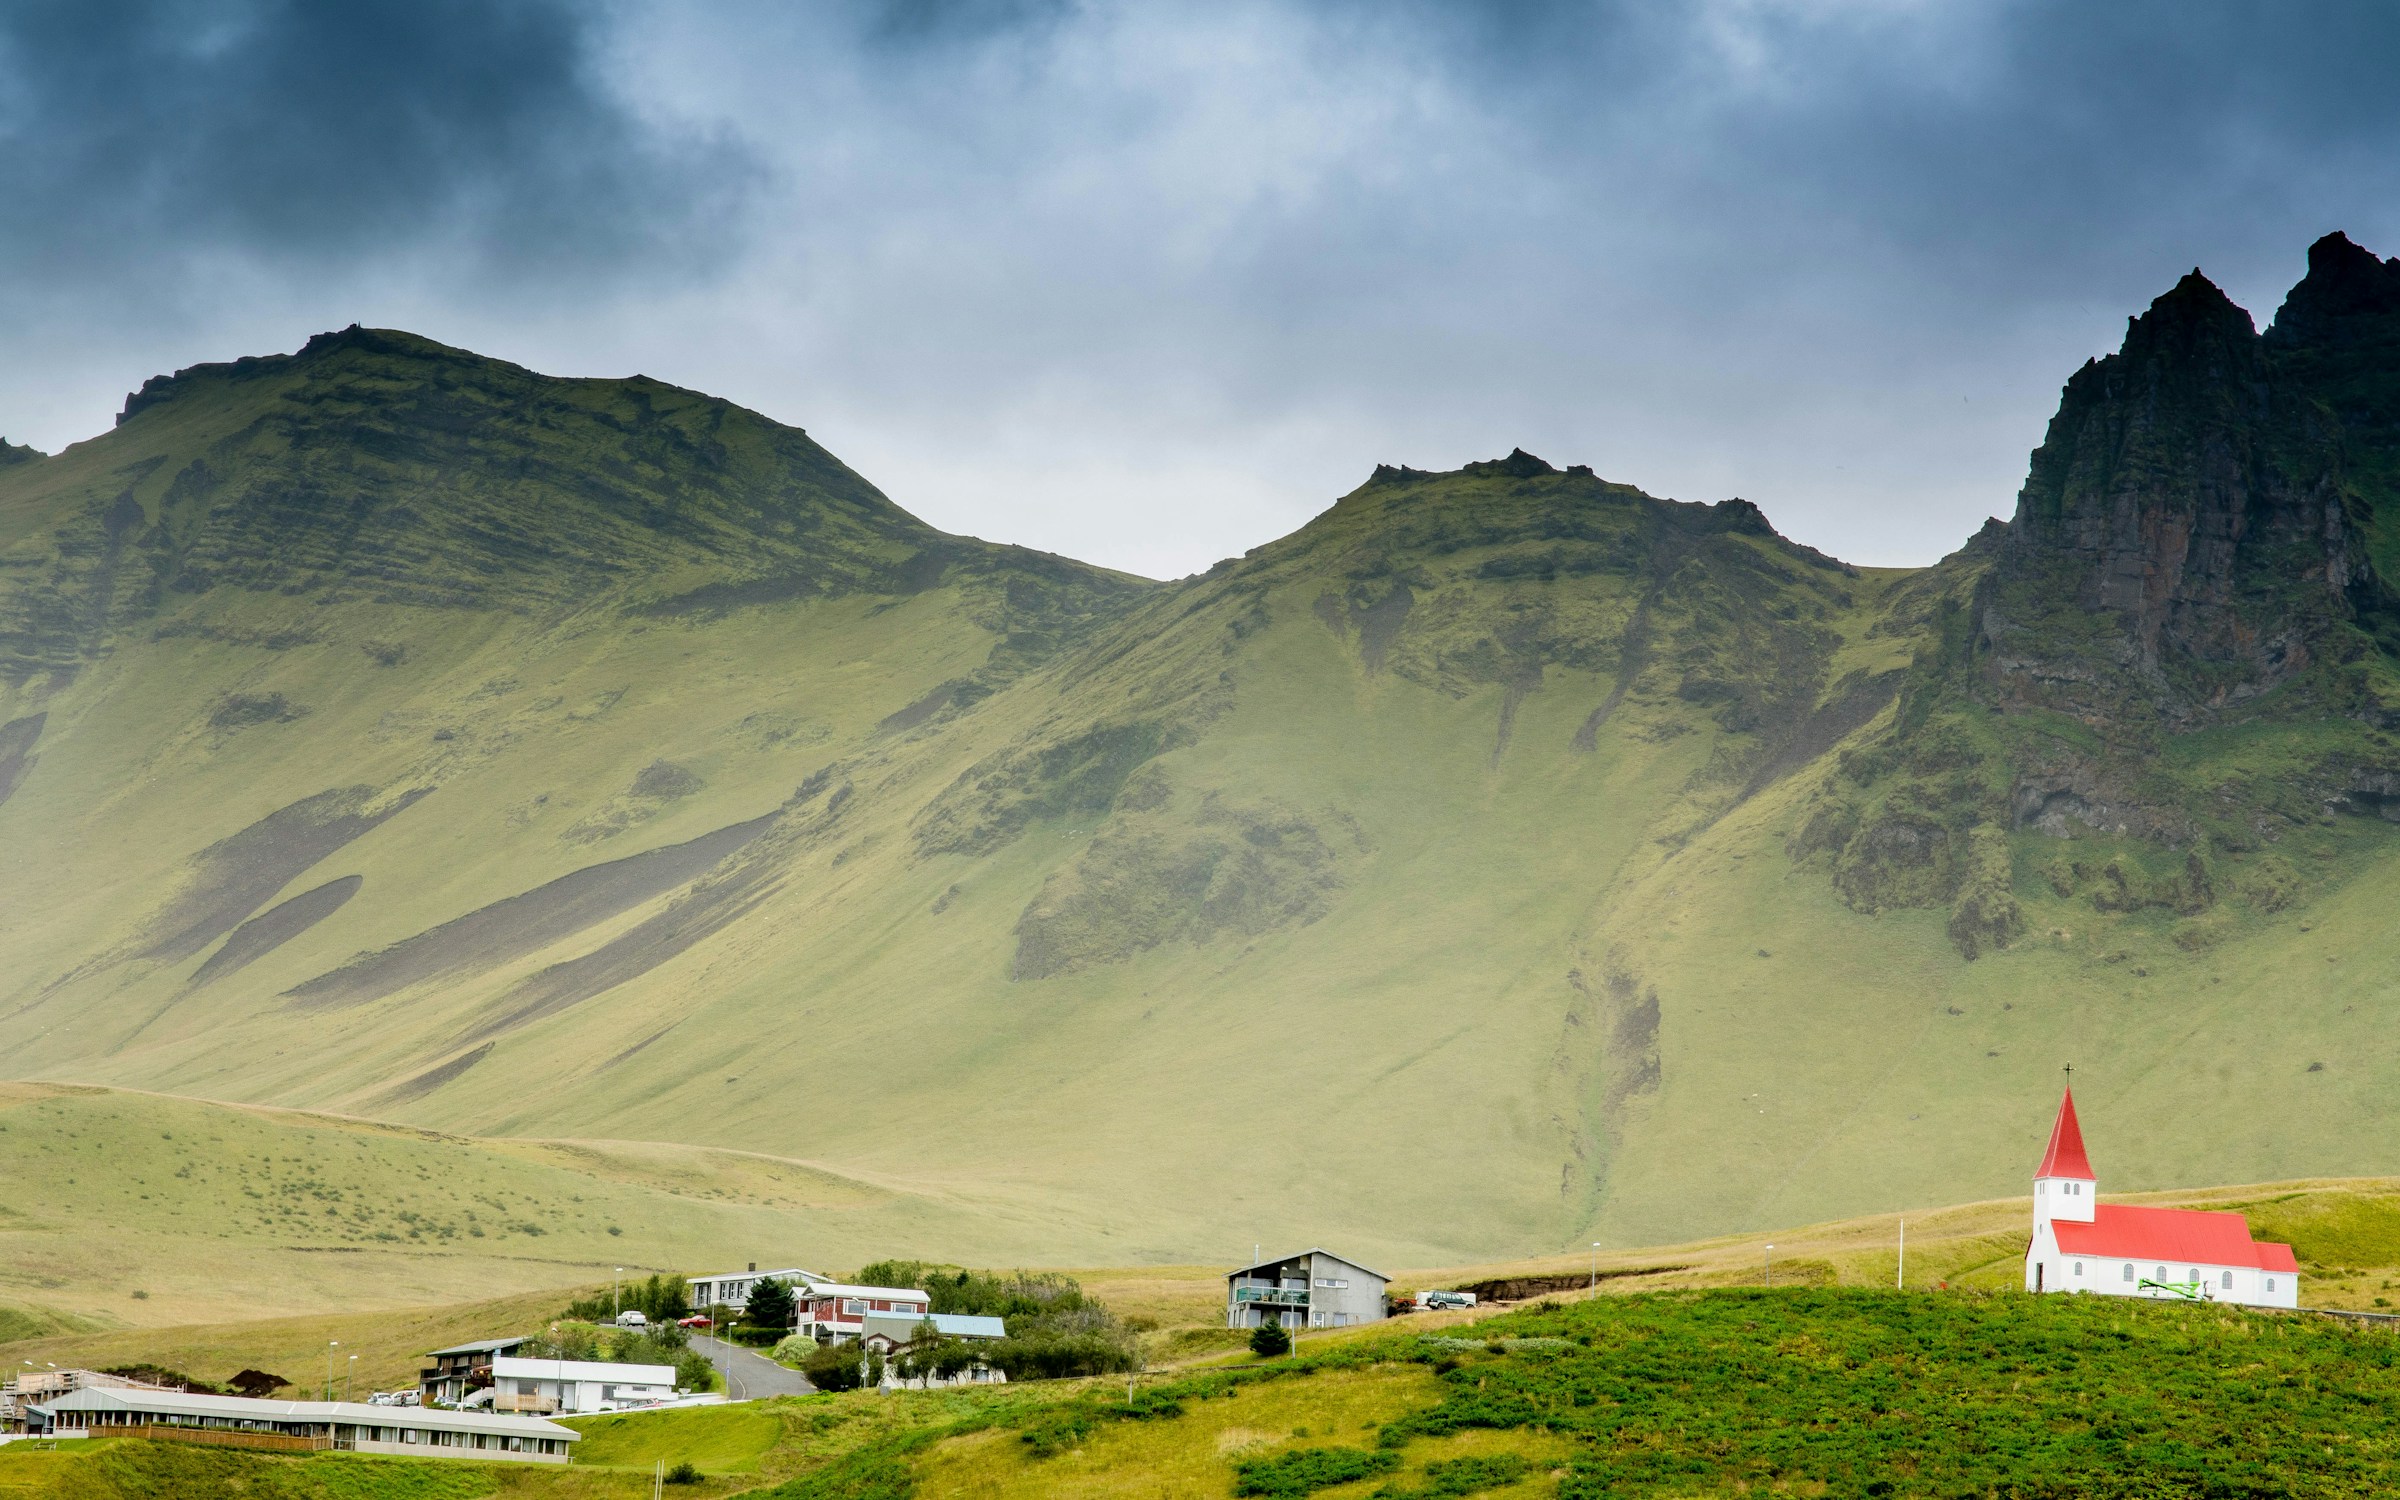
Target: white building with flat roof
<point x="544" y="1386"/>
<point x="732" y="1288"/>
<point x="301" y="1426"/>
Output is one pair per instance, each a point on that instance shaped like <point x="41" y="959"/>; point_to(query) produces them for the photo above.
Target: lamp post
<point x="1900" y="1277"/>
<point x="1595" y="1265"/>
<point x="348" y="1372"/>
<point x="616" y="1297"/>
<point x="330" y="1346"/>
<point x="1770" y="1265"/>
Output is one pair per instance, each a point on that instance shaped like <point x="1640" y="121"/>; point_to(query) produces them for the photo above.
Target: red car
<point x="694" y="1322"/>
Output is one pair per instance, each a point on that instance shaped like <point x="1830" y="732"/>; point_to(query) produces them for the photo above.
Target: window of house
<point x="2229" y="1281"/>
<point x="2079" y="1268"/>
<point x="2162" y="1273"/>
<point x="2129" y="1270"/>
<point x="2270" y="1283"/>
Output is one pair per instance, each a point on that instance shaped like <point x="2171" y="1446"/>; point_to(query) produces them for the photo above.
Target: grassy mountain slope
<point x="1507" y="858"/>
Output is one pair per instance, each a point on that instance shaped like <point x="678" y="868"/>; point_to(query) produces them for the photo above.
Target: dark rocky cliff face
<point x="2184" y="540"/>
<point x="2208" y="537"/>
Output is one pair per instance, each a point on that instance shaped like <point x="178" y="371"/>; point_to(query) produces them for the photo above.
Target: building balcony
<point x="530" y="1405"/>
<point x="1269" y="1294"/>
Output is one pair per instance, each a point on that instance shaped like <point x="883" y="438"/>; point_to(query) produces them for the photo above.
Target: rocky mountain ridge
<point x="388" y="730"/>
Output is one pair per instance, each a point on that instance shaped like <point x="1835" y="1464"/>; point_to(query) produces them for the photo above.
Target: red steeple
<point x="2065" y="1157"/>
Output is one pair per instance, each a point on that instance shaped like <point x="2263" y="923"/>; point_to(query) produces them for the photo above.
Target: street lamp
<point x="330" y="1346"/>
<point x="614" y="1295"/>
<point x="1770" y="1265"/>
<point x="347" y="1373"/>
<point x="1595" y="1265"/>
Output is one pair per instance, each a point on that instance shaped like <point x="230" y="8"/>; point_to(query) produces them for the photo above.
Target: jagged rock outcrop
<point x="2182" y="541"/>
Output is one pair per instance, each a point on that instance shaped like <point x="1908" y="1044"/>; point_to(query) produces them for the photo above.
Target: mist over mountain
<point x="1507" y="858"/>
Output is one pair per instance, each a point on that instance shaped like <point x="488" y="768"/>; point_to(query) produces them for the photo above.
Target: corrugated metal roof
<point x="244" y="1409"/>
<point x="606" y="1371"/>
<point x="949" y="1325"/>
<point x="2191" y="1237"/>
<point x="1311" y="1250"/>
<point x="480" y="1346"/>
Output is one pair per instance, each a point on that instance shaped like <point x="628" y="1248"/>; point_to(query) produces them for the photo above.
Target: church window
<point x="2229" y="1281"/>
<point x="2129" y="1270"/>
<point x="2162" y="1273"/>
<point x="2270" y="1283"/>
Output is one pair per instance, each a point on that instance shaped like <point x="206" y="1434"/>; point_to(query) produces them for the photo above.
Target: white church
<point x="2082" y="1245"/>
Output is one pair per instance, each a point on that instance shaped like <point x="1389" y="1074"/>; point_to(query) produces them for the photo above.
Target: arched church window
<point x="2129" y="1270"/>
<point x="2229" y="1281"/>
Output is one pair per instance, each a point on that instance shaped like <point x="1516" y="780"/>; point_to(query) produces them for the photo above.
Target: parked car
<point x="396" y="1398"/>
<point x="632" y="1319"/>
<point x="694" y="1322"/>
<point x="1438" y="1300"/>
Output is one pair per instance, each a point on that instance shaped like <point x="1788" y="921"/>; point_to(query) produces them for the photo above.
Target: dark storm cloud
<point x="1152" y="281"/>
<point x="139" y="133"/>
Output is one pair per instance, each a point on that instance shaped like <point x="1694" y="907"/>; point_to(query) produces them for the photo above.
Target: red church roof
<point x="2172" y="1237"/>
<point x="2065" y="1157"/>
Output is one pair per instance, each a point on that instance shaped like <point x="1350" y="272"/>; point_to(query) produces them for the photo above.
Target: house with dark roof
<point x="1314" y="1288"/>
<point x="463" y="1369"/>
<point x="2080" y="1244"/>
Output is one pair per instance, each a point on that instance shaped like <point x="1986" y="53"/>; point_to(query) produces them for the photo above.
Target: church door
<point x="2038" y="1268"/>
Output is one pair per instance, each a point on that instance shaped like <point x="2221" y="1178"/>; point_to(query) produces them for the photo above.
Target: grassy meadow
<point x="1803" y="1390"/>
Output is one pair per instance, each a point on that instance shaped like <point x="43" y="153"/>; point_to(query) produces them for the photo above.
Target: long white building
<point x="301" y="1426"/>
<point x="577" y="1385"/>
<point x="2080" y="1244"/>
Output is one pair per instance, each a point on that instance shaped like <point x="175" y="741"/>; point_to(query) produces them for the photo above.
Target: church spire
<point x="2065" y="1157"/>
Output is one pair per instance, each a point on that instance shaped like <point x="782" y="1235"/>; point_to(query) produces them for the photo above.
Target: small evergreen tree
<point x="771" y="1305"/>
<point x="1268" y="1339"/>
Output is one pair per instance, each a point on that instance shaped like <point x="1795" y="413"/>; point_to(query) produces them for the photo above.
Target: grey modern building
<point x="1312" y="1289"/>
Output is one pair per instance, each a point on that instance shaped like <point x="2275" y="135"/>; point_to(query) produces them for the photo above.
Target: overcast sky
<point x="1152" y="283"/>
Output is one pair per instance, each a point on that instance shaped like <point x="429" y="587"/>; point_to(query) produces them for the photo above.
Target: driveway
<point x="749" y="1374"/>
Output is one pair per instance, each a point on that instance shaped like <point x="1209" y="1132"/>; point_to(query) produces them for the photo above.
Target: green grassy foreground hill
<point x="1506" y="859"/>
<point x="1800" y="1391"/>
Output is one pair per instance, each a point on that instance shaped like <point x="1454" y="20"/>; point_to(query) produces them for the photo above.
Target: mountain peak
<point x="2347" y="298"/>
<point x="2186" y="494"/>
<point x="2194" y="308"/>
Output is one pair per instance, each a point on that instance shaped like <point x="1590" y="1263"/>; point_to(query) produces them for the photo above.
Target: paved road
<point x="749" y="1374"/>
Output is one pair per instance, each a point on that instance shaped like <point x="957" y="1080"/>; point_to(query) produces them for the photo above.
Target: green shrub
<point x="684" y="1473"/>
<point x="1308" y="1470"/>
<point x="843" y="1367"/>
<point x="1268" y="1340"/>
<point x="661" y="1299"/>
